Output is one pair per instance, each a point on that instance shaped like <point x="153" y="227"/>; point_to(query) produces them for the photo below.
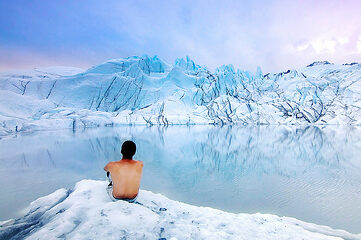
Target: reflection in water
<point x="267" y="151"/>
<point x="305" y="172"/>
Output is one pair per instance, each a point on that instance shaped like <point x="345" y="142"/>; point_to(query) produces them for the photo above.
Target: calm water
<point x="309" y="173"/>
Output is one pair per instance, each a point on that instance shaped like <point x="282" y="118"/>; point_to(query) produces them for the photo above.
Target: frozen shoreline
<point x="86" y="212"/>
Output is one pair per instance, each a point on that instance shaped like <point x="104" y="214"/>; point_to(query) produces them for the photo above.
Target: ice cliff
<point x="147" y="90"/>
<point x="86" y="212"/>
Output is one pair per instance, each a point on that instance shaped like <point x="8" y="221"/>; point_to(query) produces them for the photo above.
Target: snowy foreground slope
<point x="147" y="90"/>
<point x="87" y="213"/>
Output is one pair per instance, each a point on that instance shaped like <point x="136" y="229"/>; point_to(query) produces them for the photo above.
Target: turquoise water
<point x="309" y="173"/>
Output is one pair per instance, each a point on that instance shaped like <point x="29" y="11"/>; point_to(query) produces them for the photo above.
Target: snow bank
<point x="88" y="213"/>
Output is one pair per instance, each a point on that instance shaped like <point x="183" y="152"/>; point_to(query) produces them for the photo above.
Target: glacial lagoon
<point x="307" y="172"/>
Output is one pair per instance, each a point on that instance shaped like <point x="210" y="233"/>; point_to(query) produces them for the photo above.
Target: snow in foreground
<point x="87" y="213"/>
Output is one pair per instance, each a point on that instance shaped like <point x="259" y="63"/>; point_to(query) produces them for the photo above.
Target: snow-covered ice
<point x="147" y="90"/>
<point x="86" y="212"/>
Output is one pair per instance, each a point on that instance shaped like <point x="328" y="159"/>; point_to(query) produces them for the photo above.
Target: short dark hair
<point x="128" y="149"/>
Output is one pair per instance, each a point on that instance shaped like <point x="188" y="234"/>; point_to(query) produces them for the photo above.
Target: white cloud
<point x="302" y="47"/>
<point x="324" y="45"/>
<point x="359" y="45"/>
<point x="343" y="40"/>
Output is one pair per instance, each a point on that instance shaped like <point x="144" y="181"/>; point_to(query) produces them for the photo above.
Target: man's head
<point x="128" y="149"/>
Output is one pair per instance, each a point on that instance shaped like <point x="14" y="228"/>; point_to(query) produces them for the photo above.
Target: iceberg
<point x="144" y="90"/>
<point x="86" y="212"/>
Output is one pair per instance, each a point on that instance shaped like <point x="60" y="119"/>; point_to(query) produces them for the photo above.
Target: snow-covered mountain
<point x="147" y="90"/>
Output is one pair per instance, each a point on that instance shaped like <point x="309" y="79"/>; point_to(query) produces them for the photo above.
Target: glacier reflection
<point x="305" y="172"/>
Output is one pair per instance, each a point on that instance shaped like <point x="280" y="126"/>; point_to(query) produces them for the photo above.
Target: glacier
<point x="86" y="212"/>
<point x="144" y="90"/>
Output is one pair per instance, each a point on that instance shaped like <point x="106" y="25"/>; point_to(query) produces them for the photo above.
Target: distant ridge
<point x="148" y="90"/>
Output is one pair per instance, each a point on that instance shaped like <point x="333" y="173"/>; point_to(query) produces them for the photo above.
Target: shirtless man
<point x="124" y="175"/>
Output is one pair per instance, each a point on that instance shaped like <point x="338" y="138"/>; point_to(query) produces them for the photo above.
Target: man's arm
<point x="107" y="169"/>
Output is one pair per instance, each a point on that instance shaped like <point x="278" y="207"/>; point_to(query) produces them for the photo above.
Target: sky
<point x="276" y="34"/>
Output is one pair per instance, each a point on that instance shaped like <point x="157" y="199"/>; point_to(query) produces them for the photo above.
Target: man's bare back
<point x="125" y="174"/>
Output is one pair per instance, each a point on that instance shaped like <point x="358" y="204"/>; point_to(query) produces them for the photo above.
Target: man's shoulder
<point x="138" y="162"/>
<point x="109" y="166"/>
